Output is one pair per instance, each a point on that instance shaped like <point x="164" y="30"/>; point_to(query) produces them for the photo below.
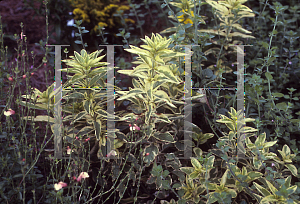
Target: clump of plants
<point x="145" y="164"/>
<point x="101" y="14"/>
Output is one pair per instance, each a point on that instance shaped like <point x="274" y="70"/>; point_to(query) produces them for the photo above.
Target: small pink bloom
<point x="10" y="78"/>
<point x="134" y="128"/>
<point x="32" y="74"/>
<point x="24" y="76"/>
<point x="137" y="128"/>
<point x="9" y="112"/>
<point x="69" y="150"/>
<point x="273" y="164"/>
<point x="74" y="178"/>
<point x="76" y="138"/>
<point x="112" y="153"/>
<point x="82" y="175"/>
<point x="59" y="185"/>
<point x="22" y="35"/>
<point x="147" y="154"/>
<point x="23" y="159"/>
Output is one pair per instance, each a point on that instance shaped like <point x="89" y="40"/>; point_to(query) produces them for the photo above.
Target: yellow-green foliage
<point x="99" y="13"/>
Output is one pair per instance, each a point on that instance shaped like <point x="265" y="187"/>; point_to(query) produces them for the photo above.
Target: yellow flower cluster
<point x="80" y="14"/>
<point x="101" y="13"/>
<point x="184" y="17"/>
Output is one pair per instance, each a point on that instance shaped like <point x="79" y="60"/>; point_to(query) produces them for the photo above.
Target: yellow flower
<point x="101" y="24"/>
<point x="129" y="20"/>
<point x="123" y="7"/>
<point x="80" y="14"/>
<point x="187" y="20"/>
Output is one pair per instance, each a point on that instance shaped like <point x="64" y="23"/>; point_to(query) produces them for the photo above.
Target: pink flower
<point x="9" y="112"/>
<point x="273" y="164"/>
<point x="22" y="35"/>
<point x="134" y="128"/>
<point x="112" y="153"/>
<point x="23" y="159"/>
<point x="32" y="74"/>
<point x="59" y="185"/>
<point x="24" y="76"/>
<point x="87" y="139"/>
<point x="69" y="150"/>
<point x="147" y="154"/>
<point x="137" y="128"/>
<point x="10" y="78"/>
<point x="82" y="175"/>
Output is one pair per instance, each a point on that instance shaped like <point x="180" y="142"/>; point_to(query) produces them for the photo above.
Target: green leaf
<point x="262" y="190"/>
<point x="278" y="94"/>
<point x="269" y="75"/>
<point x="271" y="187"/>
<point x="210" y="162"/>
<point x="153" y="151"/>
<point x="160" y="94"/>
<point x="254" y="175"/>
<point x="86" y="130"/>
<point x="286" y="150"/>
<point x="194" y="175"/>
<point x="42" y="118"/>
<point x="196" y="164"/>
<point x="95" y="79"/>
<point x="126" y="72"/>
<point x="138" y="51"/>
<point x="79" y="116"/>
<point x="131" y="93"/>
<point x="165" y="137"/>
<point x="187" y="170"/>
<point x="224" y="178"/>
<point x="176" y="185"/>
<point x="198" y="151"/>
<point x="87" y="106"/>
<point x="292" y="169"/>
<point x="101" y="70"/>
<point x="270" y="144"/>
<point x="75" y="78"/>
<point x="282" y="106"/>
<point x="165" y="70"/>
<point x="162" y="117"/>
<point x="237" y="34"/>
<point x="204" y="137"/>
<point x="35" y="106"/>
<point x="148" y="114"/>
<point x="269" y="199"/>
<point x="102" y="113"/>
<point x="97" y="126"/>
<point x="118" y="143"/>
